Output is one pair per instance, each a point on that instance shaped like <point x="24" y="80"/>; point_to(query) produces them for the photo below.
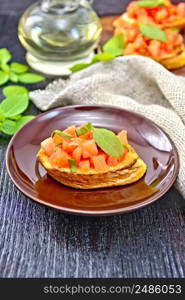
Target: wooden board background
<point x="108" y="29"/>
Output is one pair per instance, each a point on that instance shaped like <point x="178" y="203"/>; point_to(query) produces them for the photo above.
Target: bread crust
<point x="126" y="172"/>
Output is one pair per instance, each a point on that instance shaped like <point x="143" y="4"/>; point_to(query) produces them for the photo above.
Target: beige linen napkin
<point x="132" y="82"/>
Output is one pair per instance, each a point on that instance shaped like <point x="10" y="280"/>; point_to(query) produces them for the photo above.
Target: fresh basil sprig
<point x="11" y="109"/>
<point x="15" y="72"/>
<point x="153" y="32"/>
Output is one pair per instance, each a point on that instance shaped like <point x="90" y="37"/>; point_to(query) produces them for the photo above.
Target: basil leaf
<point x="108" y="142"/>
<point x="31" y="78"/>
<point x="115" y="45"/>
<point x="79" y="67"/>
<point x="5" y="55"/>
<point x="14" y="91"/>
<point x="3" y="78"/>
<point x="2" y="117"/>
<point x="84" y="129"/>
<point x="17" y="117"/>
<point x="9" y="127"/>
<point x="23" y="120"/>
<point x="150" y="3"/>
<point x="153" y="32"/>
<point x="13" y="77"/>
<point x="97" y="58"/>
<point x="5" y="67"/>
<point x="102" y="57"/>
<point x="18" y="68"/>
<point x="73" y="165"/>
<point x="14" y="106"/>
<point x="62" y="134"/>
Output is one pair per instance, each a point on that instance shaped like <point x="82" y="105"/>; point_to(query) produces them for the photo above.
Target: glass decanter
<point x="59" y="33"/>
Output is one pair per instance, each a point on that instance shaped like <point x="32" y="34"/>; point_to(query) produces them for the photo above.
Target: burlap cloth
<point x="132" y="82"/>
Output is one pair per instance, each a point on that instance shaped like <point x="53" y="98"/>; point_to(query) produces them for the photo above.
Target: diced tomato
<point x="57" y="139"/>
<point x="65" y="145"/>
<point x="100" y="163"/>
<point x="141" y="12"/>
<point x="86" y="154"/>
<point x="77" y="153"/>
<point x="129" y="49"/>
<point x="86" y="136"/>
<point x="60" y="159"/>
<point x="90" y="146"/>
<point x="71" y="131"/>
<point x="152" y="11"/>
<point x="171" y="36"/>
<point x="161" y="15"/>
<point x="84" y="165"/>
<point x="123" y="155"/>
<point x="179" y="40"/>
<point x="145" y="20"/>
<point x="168" y="48"/>
<point x="131" y="34"/>
<point x="69" y="146"/>
<point x="139" y="43"/>
<point x="181" y="9"/>
<point x="112" y="161"/>
<point x="122" y="135"/>
<point x="154" y="48"/>
<point x="132" y="9"/>
<point x="49" y="146"/>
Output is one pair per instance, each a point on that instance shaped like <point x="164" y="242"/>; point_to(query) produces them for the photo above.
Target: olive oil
<point x="59" y="30"/>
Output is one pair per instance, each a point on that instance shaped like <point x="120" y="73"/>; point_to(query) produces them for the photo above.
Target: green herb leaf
<point x="13" y="77"/>
<point x="150" y="3"/>
<point x="115" y="45"/>
<point x="102" y="57"/>
<point x="14" y="106"/>
<point x="18" y="68"/>
<point x="5" y="55"/>
<point x="3" y="78"/>
<point x="9" y="127"/>
<point x="73" y="165"/>
<point x="23" y="120"/>
<point x="79" y="67"/>
<point x="62" y="134"/>
<point x="108" y="142"/>
<point x="153" y="32"/>
<point x="84" y="129"/>
<point x="5" y="67"/>
<point x="17" y="117"/>
<point x="97" y="58"/>
<point x="2" y="117"/>
<point x="31" y="78"/>
<point x="14" y="91"/>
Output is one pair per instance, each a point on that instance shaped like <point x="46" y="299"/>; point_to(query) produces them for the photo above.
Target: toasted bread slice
<point x="126" y="172"/>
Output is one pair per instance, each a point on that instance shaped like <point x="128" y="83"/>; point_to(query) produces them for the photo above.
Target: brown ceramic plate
<point x="151" y="143"/>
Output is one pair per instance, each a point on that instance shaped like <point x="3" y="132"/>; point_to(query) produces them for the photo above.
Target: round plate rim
<point x="104" y="212"/>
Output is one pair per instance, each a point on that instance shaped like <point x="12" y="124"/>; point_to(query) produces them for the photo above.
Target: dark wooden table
<point x="36" y="241"/>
